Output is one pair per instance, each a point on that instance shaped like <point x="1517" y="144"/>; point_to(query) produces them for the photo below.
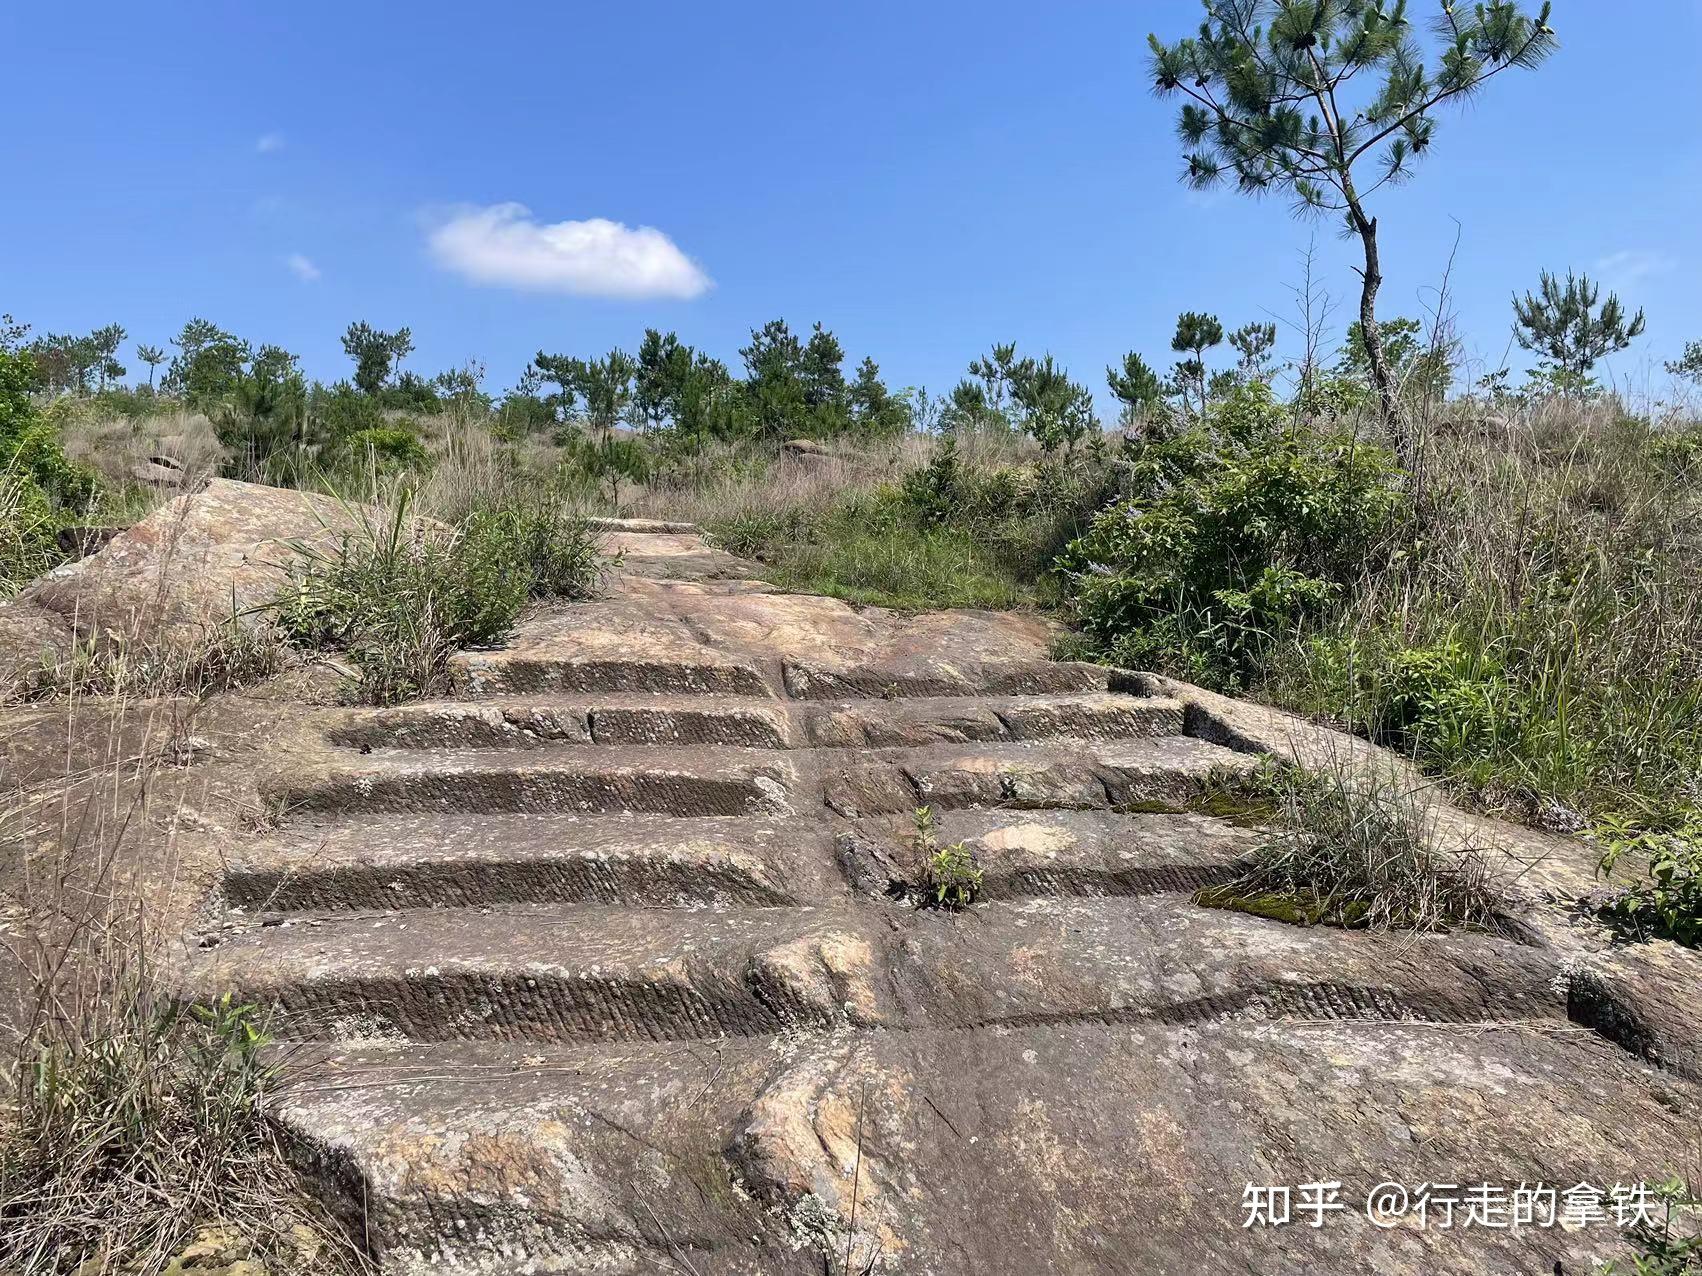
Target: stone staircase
<point x="602" y="968"/>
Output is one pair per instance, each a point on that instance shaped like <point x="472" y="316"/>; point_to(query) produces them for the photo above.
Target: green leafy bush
<point x="1227" y="536"/>
<point x="39" y="484"/>
<point x="1670" y="1246"/>
<point x="29" y="545"/>
<point x="386" y="448"/>
<point x="1668" y="903"/>
<point x="30" y="450"/>
<point x="1448" y="703"/>
<point x="340" y="411"/>
<point x="938" y="491"/>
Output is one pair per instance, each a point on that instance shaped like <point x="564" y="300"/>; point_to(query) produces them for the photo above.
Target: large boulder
<point x="196" y="562"/>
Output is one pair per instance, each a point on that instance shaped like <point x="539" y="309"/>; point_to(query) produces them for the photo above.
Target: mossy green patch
<point x="1293" y="910"/>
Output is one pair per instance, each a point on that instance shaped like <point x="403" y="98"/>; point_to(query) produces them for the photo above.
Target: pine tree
<point x="1305" y="96"/>
<point x="377" y="354"/>
<point x="774" y="384"/>
<point x="1195" y="334"/>
<point x="605" y="385"/>
<point x="153" y="356"/>
<point x="1137" y="387"/>
<point x="1055" y="411"/>
<point x="875" y="409"/>
<point x="1254" y="344"/>
<point x="1689" y="364"/>
<point x="105" y="342"/>
<point x="207" y="364"/>
<point x="664" y="364"/>
<point x="1563" y="325"/>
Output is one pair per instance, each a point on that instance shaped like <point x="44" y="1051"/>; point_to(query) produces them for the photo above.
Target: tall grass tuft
<point x="400" y="596"/>
<point x="1349" y="848"/>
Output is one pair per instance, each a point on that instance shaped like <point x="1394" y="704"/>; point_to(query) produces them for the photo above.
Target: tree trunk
<point x="1371" y="280"/>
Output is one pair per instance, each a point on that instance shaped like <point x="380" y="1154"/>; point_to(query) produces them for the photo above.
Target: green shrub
<point x="1671" y="1246"/>
<point x="938" y="491"/>
<point x="30" y="451"/>
<point x="340" y="411"/>
<point x="39" y="484"/>
<point x="1228" y="536"/>
<point x="262" y="421"/>
<point x="609" y="459"/>
<point x="398" y="599"/>
<point x="1668" y="903"/>
<point x="29" y="545"/>
<point x="384" y="448"/>
<point x="1448" y="704"/>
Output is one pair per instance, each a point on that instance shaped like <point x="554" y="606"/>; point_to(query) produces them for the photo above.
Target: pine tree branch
<point x="1324" y="162"/>
<point x="1441" y="96"/>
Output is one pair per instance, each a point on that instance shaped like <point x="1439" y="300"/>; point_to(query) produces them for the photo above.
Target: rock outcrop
<point x="600" y="968"/>
<point x="203" y="559"/>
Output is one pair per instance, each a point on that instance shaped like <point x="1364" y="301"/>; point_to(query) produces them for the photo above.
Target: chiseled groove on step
<point x="1085" y="881"/>
<point x="1084" y="779"/>
<point x="445" y="883"/>
<point x="761" y="723"/>
<point x="1056" y="719"/>
<point x="523" y="674"/>
<point x="428" y="1005"/>
<point x="804" y="680"/>
<point x="540" y="789"/>
<point x="464" y="725"/>
<point x="737" y="726"/>
<point x="597" y="1008"/>
<point x="1282" y="1001"/>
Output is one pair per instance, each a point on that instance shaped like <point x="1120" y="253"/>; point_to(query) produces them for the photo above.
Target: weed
<point x="218" y="658"/>
<point x="948" y="876"/>
<point x="1672" y="1246"/>
<point x="28" y="532"/>
<point x="135" y="1135"/>
<point x="1359" y="850"/>
<point x="136" y="1130"/>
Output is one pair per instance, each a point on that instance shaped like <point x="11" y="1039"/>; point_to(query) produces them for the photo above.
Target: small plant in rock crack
<point x="949" y="875"/>
<point x="1359" y="850"/>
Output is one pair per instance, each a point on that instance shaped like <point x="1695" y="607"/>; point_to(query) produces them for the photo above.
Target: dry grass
<point x="135" y="1124"/>
<point x="1352" y="847"/>
<point x="218" y="659"/>
<point x="118" y="448"/>
<point x="729" y="484"/>
<point x="1554" y="595"/>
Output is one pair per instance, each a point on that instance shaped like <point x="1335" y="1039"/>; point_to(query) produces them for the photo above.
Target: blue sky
<point x="925" y="179"/>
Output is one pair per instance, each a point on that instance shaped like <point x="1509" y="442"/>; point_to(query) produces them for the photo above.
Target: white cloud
<point x="302" y="268"/>
<point x="503" y="245"/>
<point x="266" y="143"/>
<point x="1633" y="265"/>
